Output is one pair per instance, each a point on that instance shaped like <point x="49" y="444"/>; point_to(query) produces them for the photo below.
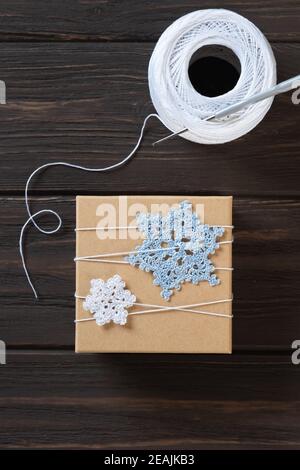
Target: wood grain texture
<point x="265" y="280"/>
<point x="85" y="103"/>
<point x="149" y="401"/>
<point x="76" y="77"/>
<point x="127" y="20"/>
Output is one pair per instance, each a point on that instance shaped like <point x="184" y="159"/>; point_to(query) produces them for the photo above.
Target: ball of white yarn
<point x="176" y="101"/>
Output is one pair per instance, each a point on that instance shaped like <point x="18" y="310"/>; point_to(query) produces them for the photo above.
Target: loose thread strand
<point x="32" y="216"/>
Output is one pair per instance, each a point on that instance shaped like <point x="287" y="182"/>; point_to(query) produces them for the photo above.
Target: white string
<point x="180" y="105"/>
<point x="108" y="261"/>
<point x="129" y="227"/>
<point x="160" y="308"/>
<point x="123" y="253"/>
<point x="32" y="217"/>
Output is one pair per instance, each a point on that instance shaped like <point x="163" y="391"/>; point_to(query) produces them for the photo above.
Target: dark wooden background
<point x="76" y="76"/>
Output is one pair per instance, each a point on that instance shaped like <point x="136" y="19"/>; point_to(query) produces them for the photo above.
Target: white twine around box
<point x="108" y="301"/>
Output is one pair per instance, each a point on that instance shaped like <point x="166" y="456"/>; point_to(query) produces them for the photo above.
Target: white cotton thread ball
<point x="176" y="101"/>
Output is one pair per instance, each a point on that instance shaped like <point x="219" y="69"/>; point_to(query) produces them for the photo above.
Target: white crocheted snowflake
<point x="108" y="301"/>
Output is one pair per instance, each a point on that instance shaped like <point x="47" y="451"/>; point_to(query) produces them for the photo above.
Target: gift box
<point x="110" y="226"/>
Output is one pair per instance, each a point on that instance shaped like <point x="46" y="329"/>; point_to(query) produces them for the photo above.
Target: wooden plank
<point x="85" y="103"/>
<point x="63" y="400"/>
<point x="142" y="20"/>
<point x="266" y="262"/>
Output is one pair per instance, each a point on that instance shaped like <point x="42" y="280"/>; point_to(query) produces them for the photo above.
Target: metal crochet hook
<point x="282" y="87"/>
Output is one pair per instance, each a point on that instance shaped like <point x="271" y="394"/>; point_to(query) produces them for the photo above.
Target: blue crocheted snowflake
<point x="176" y="248"/>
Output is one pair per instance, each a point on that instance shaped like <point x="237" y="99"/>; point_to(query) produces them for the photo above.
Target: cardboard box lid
<point x="166" y="332"/>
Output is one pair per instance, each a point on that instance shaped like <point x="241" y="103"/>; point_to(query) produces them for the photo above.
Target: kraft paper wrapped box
<point x="162" y="332"/>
